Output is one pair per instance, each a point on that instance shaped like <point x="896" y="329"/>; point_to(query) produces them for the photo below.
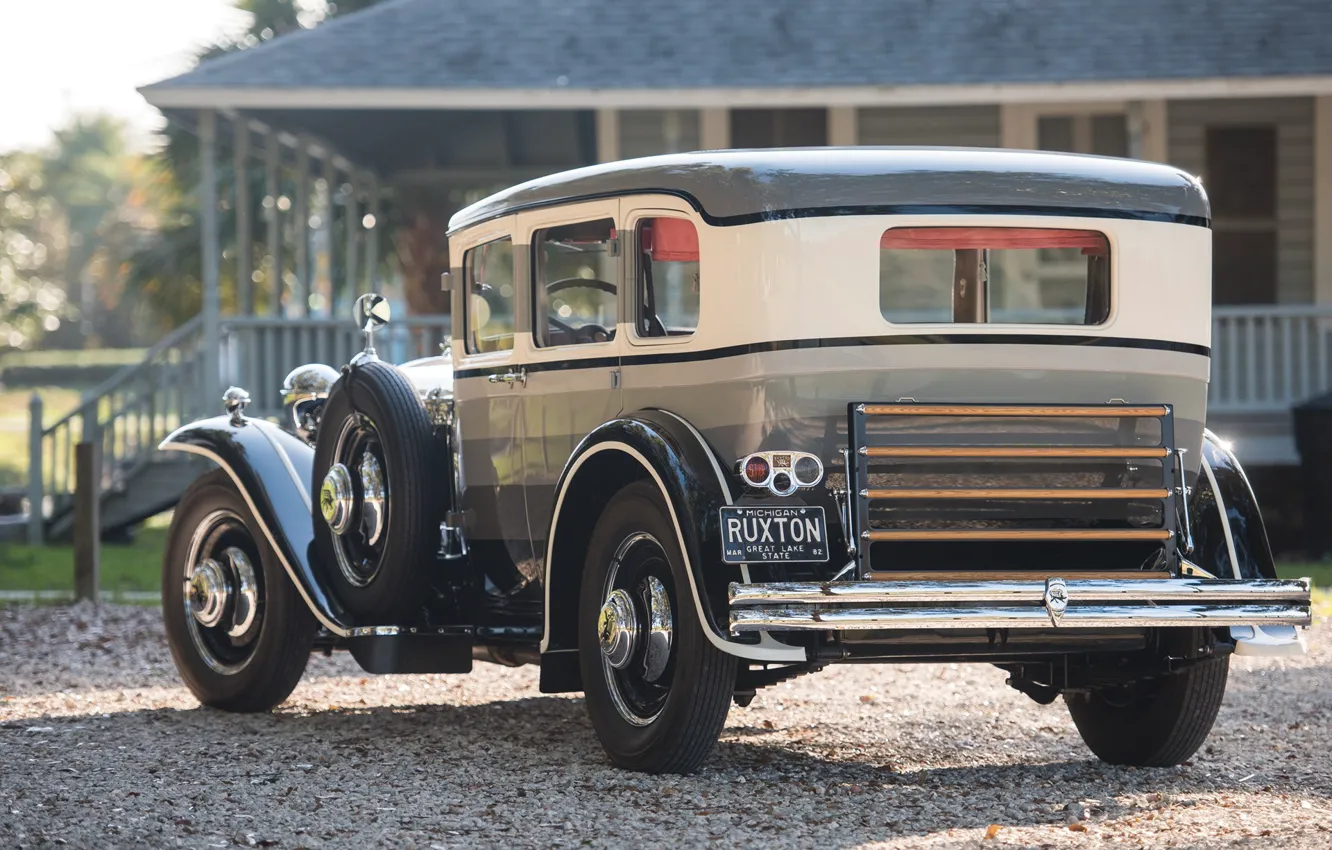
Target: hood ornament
<point x="372" y="313"/>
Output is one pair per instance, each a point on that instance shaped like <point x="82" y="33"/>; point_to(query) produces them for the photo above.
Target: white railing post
<point x="36" y="515"/>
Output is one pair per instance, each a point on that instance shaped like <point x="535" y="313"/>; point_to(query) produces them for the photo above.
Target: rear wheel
<point x="238" y="630"/>
<point x="657" y="690"/>
<point x="1160" y="723"/>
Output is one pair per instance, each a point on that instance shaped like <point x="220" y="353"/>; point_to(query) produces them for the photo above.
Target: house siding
<point x="645" y="132"/>
<point x="959" y="126"/>
<point x="1293" y="118"/>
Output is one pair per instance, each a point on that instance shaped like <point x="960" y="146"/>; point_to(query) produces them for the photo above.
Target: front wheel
<point x="1152" y="724"/>
<point x="238" y="630"/>
<point x="657" y="690"/>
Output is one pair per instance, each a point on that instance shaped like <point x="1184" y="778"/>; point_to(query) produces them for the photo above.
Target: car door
<point x="573" y="372"/>
<point x="488" y="392"/>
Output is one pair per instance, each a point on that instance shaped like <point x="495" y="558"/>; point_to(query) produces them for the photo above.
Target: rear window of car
<point x="994" y="275"/>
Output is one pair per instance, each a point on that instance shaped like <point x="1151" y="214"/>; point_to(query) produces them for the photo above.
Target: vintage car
<point x="711" y="421"/>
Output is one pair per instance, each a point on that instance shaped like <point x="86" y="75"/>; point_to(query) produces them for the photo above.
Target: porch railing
<point x="1268" y="358"/>
<point x="258" y="352"/>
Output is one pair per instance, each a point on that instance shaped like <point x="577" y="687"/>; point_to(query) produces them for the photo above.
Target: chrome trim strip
<point x="1029" y="617"/>
<point x="167" y="445"/>
<point x="1189" y="591"/>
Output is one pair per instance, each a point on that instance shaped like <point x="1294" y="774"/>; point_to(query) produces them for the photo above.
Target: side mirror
<point x="371" y="312"/>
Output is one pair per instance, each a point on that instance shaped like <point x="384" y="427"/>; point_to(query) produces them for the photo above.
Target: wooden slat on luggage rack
<point x="907" y="534"/>
<point x="1010" y="451"/>
<point x="1015" y="493"/>
<point x="1101" y="412"/>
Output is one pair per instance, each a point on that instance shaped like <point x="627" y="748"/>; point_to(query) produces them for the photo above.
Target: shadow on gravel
<point x="407" y="759"/>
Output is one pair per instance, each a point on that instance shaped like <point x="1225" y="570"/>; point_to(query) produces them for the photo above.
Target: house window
<point x="576" y="283"/>
<point x="668" y="284"/>
<point x="488" y="271"/>
<point x="779" y="128"/>
<point x="1103" y="134"/>
<point x="1241" y="178"/>
<point x="996" y="275"/>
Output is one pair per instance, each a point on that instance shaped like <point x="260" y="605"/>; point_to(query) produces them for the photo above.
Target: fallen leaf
<point x="768" y="724"/>
<point x="867" y="698"/>
<point x="1075" y="826"/>
<point x="992" y="830"/>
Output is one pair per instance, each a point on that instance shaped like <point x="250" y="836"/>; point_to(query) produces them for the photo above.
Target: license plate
<point x="756" y="535"/>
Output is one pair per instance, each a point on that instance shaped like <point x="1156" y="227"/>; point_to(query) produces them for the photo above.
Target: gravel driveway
<point x="101" y="747"/>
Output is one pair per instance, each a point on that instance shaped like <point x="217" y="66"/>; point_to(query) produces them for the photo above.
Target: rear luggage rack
<point x="911" y="444"/>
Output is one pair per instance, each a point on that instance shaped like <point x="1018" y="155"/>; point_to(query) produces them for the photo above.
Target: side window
<point x="488" y="271"/>
<point x="667" y="298"/>
<point x="575" y="283"/>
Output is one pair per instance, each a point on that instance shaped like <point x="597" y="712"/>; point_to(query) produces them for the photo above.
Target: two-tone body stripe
<point x="745" y="349"/>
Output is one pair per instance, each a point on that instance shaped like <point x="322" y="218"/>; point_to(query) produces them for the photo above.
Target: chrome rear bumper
<point x="1056" y="602"/>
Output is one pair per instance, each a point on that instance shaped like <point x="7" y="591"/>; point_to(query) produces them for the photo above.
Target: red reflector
<point x="756" y="471"/>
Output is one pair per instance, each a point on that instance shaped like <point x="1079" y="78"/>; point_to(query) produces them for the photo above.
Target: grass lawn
<point x="56" y="402"/>
<point x="137" y="566"/>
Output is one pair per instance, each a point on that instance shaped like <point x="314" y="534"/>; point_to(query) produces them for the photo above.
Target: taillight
<point x="756" y="471"/>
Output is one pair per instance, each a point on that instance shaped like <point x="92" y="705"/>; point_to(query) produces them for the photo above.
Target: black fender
<point x="1229" y="537"/>
<point x="662" y="447"/>
<point x="271" y="469"/>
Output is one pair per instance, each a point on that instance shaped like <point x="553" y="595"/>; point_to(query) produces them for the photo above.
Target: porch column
<point x="351" y="270"/>
<point x="325" y="285"/>
<point x="608" y="135"/>
<point x="1017" y="126"/>
<point x="1148" y="130"/>
<point x="300" y="229"/>
<point x="714" y="128"/>
<point x="273" y="188"/>
<point x="209" y="388"/>
<point x="372" y="235"/>
<point x="843" y="129"/>
<point x="244" y="223"/>
<point x="1322" y="212"/>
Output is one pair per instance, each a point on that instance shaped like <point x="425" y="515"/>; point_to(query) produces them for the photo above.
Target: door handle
<point x="510" y="377"/>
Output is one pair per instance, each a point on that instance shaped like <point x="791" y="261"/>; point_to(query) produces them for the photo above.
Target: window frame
<point x="1110" y="274"/>
<point x="535" y="271"/>
<point x="460" y="245"/>
<point x="636" y="303"/>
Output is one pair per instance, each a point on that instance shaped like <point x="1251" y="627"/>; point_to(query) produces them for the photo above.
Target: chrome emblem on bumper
<point x="1056" y="599"/>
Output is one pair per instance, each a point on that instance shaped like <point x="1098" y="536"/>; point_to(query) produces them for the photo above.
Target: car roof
<point x="731" y="187"/>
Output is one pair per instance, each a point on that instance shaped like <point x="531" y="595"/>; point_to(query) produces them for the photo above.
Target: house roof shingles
<point x="637" y="44"/>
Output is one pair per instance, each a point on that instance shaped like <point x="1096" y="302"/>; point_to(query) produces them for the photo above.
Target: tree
<point x="166" y="272"/>
<point x="32" y="240"/>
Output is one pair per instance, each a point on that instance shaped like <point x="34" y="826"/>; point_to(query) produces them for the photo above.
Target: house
<point x="432" y="103"/>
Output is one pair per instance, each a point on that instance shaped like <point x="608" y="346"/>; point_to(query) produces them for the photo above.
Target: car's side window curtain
<point x="668" y="277"/>
<point x="490" y="296"/>
<point x="575" y="281"/>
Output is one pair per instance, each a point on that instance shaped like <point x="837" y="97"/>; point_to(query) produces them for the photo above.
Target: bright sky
<point x="64" y="57"/>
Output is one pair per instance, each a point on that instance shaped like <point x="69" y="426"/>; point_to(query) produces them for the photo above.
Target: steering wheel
<point x="589" y="332"/>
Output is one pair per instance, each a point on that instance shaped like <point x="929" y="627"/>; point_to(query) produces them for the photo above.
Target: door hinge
<point x="615" y="379"/>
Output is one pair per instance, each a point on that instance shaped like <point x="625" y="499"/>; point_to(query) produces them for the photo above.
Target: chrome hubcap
<point x="660" y="627"/>
<point x="223" y="592"/>
<point x="354" y="499"/>
<point x="207" y="591"/>
<point x="372" y="498"/>
<point x="617" y="629"/>
<point x="336" y="499"/>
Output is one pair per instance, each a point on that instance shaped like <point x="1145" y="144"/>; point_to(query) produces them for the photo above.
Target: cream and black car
<point x="711" y="421"/>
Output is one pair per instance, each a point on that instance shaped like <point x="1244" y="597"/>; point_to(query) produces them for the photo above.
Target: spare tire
<point x="376" y="526"/>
